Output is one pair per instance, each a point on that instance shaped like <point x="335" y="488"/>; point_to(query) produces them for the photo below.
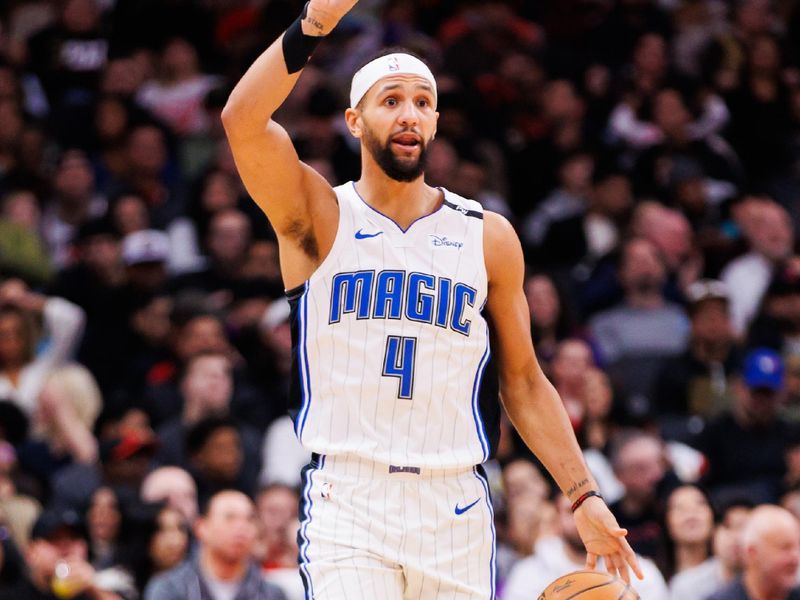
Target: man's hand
<point x="323" y="15"/>
<point x="603" y="537"/>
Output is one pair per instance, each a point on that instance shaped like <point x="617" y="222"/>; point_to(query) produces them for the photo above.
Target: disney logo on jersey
<point x="438" y="242"/>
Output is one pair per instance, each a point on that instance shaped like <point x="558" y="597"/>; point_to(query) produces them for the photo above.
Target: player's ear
<point x="352" y="116"/>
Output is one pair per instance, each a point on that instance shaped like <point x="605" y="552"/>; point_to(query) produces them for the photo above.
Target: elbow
<point x="230" y="115"/>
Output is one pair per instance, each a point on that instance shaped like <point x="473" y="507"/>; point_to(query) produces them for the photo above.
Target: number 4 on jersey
<point x="399" y="362"/>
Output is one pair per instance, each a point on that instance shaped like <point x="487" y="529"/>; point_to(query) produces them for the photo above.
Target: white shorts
<point x="369" y="531"/>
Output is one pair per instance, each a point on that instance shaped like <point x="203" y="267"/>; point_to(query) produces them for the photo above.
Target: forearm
<point x="536" y="410"/>
<point x="268" y="82"/>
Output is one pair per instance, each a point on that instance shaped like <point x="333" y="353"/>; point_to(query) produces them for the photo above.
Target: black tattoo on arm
<point x="576" y="486"/>
<point x="314" y="23"/>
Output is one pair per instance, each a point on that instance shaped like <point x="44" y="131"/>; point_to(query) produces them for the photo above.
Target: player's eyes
<point x="423" y="103"/>
<point x="390" y="101"/>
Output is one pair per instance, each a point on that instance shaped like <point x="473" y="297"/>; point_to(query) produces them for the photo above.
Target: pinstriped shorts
<point x="371" y="531"/>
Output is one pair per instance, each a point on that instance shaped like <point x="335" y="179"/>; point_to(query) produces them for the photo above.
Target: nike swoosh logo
<point x="364" y="236"/>
<point x="461" y="511"/>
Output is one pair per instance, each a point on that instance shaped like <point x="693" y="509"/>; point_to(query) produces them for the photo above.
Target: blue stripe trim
<point x="309" y="587"/>
<point x="390" y="218"/>
<point x="302" y="350"/>
<point x="485" y="483"/>
<point x="476" y="388"/>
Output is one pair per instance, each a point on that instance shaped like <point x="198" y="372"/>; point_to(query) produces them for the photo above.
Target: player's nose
<point x="408" y="116"/>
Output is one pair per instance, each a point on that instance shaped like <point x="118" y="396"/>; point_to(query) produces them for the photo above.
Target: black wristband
<point x="297" y="46"/>
<point x="577" y="504"/>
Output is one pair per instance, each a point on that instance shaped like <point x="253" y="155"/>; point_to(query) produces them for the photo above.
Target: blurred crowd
<point x="648" y="153"/>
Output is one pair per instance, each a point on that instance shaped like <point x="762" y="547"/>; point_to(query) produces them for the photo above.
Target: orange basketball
<point x="589" y="585"/>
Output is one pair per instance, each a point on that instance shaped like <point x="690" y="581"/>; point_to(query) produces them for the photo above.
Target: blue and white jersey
<point x="391" y="350"/>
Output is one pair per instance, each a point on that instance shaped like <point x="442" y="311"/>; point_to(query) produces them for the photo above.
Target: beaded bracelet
<point x="577" y="504"/>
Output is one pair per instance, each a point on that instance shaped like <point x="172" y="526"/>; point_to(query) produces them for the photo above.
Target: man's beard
<point x="389" y="163"/>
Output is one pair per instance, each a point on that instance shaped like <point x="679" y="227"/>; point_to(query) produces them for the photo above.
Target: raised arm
<point x="299" y="203"/>
<point x="533" y="405"/>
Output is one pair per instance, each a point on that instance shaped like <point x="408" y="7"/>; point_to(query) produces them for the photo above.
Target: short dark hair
<point x="205" y="504"/>
<point x="201" y="432"/>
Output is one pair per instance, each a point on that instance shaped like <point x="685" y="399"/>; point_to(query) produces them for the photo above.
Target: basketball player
<point x="393" y="286"/>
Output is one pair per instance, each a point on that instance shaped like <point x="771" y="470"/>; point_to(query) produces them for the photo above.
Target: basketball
<point x="588" y="585"/>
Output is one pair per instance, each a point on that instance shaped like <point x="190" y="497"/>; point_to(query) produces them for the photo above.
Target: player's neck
<point x="403" y="202"/>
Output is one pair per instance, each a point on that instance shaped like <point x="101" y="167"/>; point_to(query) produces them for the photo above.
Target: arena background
<point x="647" y="152"/>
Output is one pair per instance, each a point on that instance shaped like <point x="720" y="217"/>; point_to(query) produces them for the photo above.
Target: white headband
<point x="386" y="66"/>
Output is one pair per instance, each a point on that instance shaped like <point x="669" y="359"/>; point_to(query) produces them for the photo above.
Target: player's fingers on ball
<point x="622" y="568"/>
<point x="632" y="560"/>
<point x="591" y="561"/>
<point x="609" y="562"/>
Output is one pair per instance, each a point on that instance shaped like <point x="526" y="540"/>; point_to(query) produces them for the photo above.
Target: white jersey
<point x="390" y="346"/>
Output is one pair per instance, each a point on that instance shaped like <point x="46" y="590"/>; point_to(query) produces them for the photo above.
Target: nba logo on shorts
<point x="326" y="491"/>
<point x="394" y="65"/>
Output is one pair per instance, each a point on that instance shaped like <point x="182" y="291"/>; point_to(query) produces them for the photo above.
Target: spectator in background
<point x="562" y="553"/>
<point x="768" y="230"/>
<point x="96" y="282"/>
<point x="554" y="233"/>
<point x="697" y="583"/>
<point x="228" y="244"/>
<point x="277" y="507"/>
<point x="57" y="559"/>
<point x="699" y="381"/>
<point x="645" y="323"/>
<point x="551" y="319"/>
<point x="687" y="530"/>
<point x="176" y="94"/>
<point x="529" y="513"/>
<point x="193" y="331"/>
<point x="640" y="465"/>
<point x="62" y="424"/>
<point x="777" y="323"/>
<point x="771" y="550"/>
<point x="637" y="336"/>
<point x="148" y="172"/>
<point x="166" y="542"/>
<point x="145" y="254"/>
<point x="215" y="458"/>
<point x="599" y="426"/>
<point x="22" y="250"/>
<point x="656" y="167"/>
<point x="75" y="201"/>
<point x="174" y="487"/>
<point x="572" y="360"/>
<point x="672" y="236"/>
<point x="68" y="59"/>
<point x="23" y="370"/>
<point x="224" y="568"/>
<point x="207" y="388"/>
<point x="746" y="445"/>
<point x="126" y="453"/>
<point x="760" y="108"/>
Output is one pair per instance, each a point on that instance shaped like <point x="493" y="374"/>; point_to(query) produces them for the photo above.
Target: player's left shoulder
<point x="462" y="205"/>
<point x="502" y="249"/>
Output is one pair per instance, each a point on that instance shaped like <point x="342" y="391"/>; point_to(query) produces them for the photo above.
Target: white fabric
<point x="369" y="534"/>
<point x="747" y="277"/>
<point x="387" y="66"/>
<point x="532" y="575"/>
<point x="282" y="456"/>
<point x="221" y="590"/>
<point x="63" y="323"/>
<point x="603" y="474"/>
<point x="380" y="287"/>
<point x="288" y="580"/>
<point x="697" y="583"/>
